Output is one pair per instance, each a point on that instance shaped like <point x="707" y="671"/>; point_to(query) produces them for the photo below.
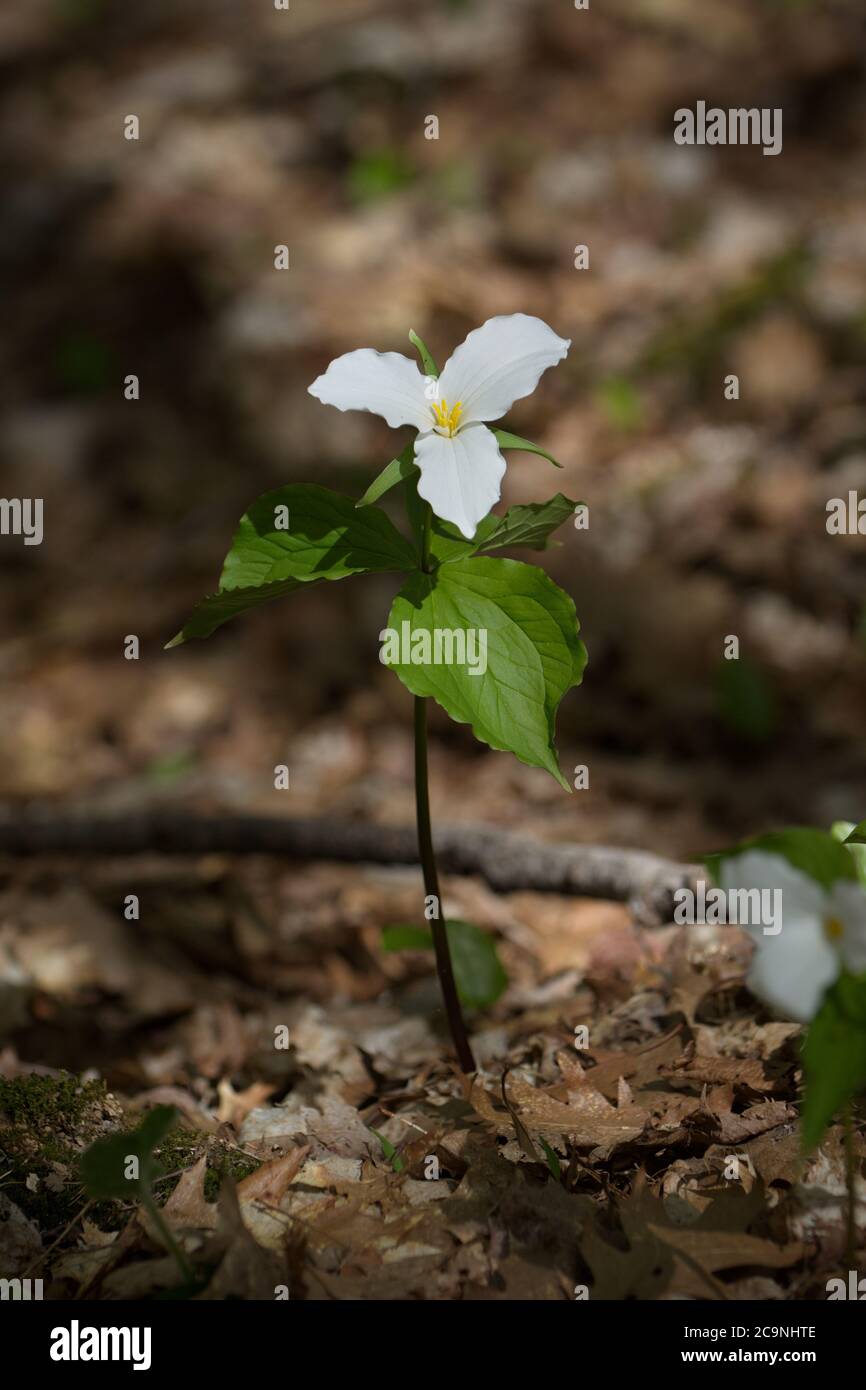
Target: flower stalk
<point x="444" y="966"/>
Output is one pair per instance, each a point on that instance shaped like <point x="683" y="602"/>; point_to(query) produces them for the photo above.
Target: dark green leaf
<point x="397" y="471"/>
<point x="217" y="608"/>
<point x="834" y="1056"/>
<point x="506" y="440"/>
<point x="529" y="525"/>
<point x="407" y="938"/>
<point x="297" y="535"/>
<point x="478" y="971"/>
<point x="103" y="1165"/>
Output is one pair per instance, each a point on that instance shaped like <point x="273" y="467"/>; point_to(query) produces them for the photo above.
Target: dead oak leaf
<point x="639" y="1066"/>
<point x="269" y="1183"/>
<point x="234" y="1106"/>
<point x="743" y="1073"/>
<point x="725" y="1127"/>
<point x="587" y="1119"/>
<point x="715" y="1251"/>
<point x="186" y="1208"/>
<point x="244" y="1268"/>
<point x="671" y="1248"/>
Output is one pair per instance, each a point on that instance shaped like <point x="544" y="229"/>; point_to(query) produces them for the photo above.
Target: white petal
<point x="791" y="970"/>
<point x="499" y="363"/>
<point x="847" y="901"/>
<point x="802" y="896"/>
<point x="460" y="476"/>
<point x="385" y="383"/>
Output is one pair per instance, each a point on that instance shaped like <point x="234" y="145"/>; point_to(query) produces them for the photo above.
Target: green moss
<point x="48" y="1105"/>
<point x="230" y="1164"/>
<point x="179" y="1150"/>
<point x="184" y="1147"/>
<point x="45" y="1123"/>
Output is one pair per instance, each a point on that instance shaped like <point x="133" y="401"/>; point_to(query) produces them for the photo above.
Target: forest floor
<point x="632" y="1131"/>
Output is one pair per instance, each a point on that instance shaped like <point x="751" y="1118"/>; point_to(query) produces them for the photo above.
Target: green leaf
<point x="324" y="538"/>
<point x="407" y="938"/>
<point x="552" y="1158"/>
<point x="857" y="835"/>
<point x="217" y="608"/>
<point x="533" y="653"/>
<point x="530" y="525"/>
<point x="506" y="440"/>
<point x="846" y="831"/>
<point x="447" y="543"/>
<point x="397" y="471"/>
<point x="834" y="1056"/>
<point x="813" y="852"/>
<point x="104" y="1164"/>
<point x="389" y="1151"/>
<point x="423" y="351"/>
<point x="293" y="536"/>
<point x="478" y="971"/>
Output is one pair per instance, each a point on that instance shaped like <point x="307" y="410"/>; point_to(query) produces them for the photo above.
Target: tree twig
<point x="508" y="862"/>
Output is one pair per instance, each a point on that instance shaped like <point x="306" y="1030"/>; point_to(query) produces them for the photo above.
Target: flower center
<point x="447" y="420"/>
<point x="833" y="929"/>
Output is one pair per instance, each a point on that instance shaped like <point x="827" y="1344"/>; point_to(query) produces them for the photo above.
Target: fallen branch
<point x="508" y="862"/>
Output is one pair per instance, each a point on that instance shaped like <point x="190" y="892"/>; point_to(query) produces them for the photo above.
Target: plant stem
<point x="431" y="888"/>
<point x="166" y="1236"/>
<point x="851" y="1180"/>
<point x="444" y="966"/>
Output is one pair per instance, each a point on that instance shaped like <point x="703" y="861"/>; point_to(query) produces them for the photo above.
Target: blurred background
<point x="155" y="257"/>
<point x="306" y="127"/>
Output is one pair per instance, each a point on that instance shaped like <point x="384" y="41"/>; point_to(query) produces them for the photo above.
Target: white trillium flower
<point x="461" y="466"/>
<point x="823" y="931"/>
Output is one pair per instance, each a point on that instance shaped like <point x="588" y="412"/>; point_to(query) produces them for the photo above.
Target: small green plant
<point x="124" y="1166"/>
<point x="800" y="895"/>
<point x="494" y="641"/>
<point x="389" y="1151"/>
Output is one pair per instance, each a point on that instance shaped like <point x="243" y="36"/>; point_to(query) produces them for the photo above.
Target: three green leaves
<point x="523" y="627"/>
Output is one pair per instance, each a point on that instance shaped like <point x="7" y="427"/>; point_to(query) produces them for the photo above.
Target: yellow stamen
<point x="447" y="419"/>
<point x="833" y="929"/>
